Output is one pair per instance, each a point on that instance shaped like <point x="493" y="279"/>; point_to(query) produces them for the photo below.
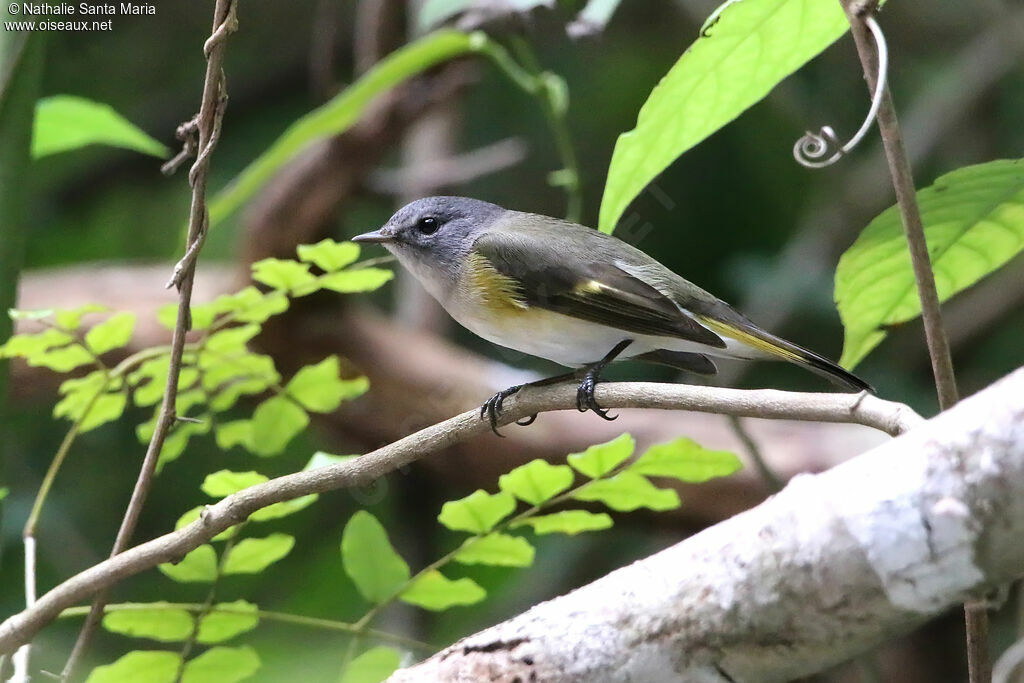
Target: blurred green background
<point x="739" y="204"/>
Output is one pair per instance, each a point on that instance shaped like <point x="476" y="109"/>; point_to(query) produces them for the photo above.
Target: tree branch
<point x="846" y="408"/>
<point x="830" y="567"/>
<point x="211" y="113"/>
<point x="975" y="615"/>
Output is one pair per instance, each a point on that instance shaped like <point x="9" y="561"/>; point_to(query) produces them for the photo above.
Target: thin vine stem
<point x="976" y="621"/>
<point x="211" y="114"/>
<point x="550" y="91"/>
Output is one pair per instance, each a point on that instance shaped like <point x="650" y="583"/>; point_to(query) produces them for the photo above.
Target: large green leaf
<point x="369" y="560"/>
<point x="734" y="63"/>
<point x="974" y="223"/>
<point x="65" y="122"/>
<point x="338" y="114"/>
<point x="319" y="388"/>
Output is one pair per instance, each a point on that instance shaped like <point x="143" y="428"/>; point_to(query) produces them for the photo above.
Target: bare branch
<point x="211" y="114"/>
<point x="845" y="408"/>
<point x="830" y="567"/>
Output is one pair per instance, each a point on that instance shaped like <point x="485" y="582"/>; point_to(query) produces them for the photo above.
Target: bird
<point x="573" y="295"/>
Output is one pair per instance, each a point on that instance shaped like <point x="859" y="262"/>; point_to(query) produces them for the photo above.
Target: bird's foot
<point x="491" y="409"/>
<point x="585" y="399"/>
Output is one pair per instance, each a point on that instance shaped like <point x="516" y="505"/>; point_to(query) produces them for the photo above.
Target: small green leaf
<point x="234" y="433"/>
<point x="435" y="591"/>
<point x="29" y="345"/>
<point x="600" y="459"/>
<point x="499" y="550"/>
<point x="222" y="665"/>
<point x="537" y="481"/>
<point x="358" y="280"/>
<point x="232" y="339"/>
<point x="150" y="380"/>
<point x="63" y="359"/>
<point x="286" y="275"/>
<point x="71" y="318"/>
<point x="253" y="555"/>
<point x="973" y="222"/>
<point x="686" y="460"/>
<point x="66" y="122"/>
<point x="39" y="314"/>
<point x="112" y="333"/>
<point x="329" y="255"/>
<point x="373" y="666"/>
<point x="229" y="395"/>
<point x="318" y="388"/>
<point x="192" y="515"/>
<point x="3" y="492"/>
<point x="156" y="621"/>
<point x="478" y="512"/>
<point x="138" y="667"/>
<point x="733" y="64"/>
<point x="225" y="482"/>
<point x="199" y="566"/>
<point x="370" y="560"/>
<point x="275" y="422"/>
<point x="628" y="491"/>
<point x="227" y="620"/>
<point x="240" y="365"/>
<point x="283" y="509"/>
<point x="259" y="308"/>
<point x="568" y="522"/>
<point x="82" y="394"/>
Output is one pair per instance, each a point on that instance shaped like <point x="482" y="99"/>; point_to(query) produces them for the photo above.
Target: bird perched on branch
<point x="576" y="296"/>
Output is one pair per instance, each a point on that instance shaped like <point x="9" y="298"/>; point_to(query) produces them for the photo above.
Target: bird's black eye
<point x="428" y="225"/>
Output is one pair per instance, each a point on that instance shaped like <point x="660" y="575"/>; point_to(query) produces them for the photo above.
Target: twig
<point x="774" y="482"/>
<point x="456" y="170"/>
<point x="211" y="113"/>
<point x="823" y="571"/>
<point x="891" y="418"/>
<point x="975" y="616"/>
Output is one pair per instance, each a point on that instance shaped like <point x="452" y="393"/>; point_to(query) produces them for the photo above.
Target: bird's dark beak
<point x="382" y="235"/>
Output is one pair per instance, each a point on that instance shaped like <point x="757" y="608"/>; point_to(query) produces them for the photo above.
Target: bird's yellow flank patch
<point x="497" y="291"/>
<point x="748" y="338"/>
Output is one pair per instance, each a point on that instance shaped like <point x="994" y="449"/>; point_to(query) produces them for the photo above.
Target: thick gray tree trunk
<point x="833" y="565"/>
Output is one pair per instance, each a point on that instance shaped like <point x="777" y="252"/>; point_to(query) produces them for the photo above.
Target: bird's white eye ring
<point x="428" y="225"/>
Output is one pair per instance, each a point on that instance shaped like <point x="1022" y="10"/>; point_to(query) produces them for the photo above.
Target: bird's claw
<point x="491" y="409"/>
<point x="585" y="399"/>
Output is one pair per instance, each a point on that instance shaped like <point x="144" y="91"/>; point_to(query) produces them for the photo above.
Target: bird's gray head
<point x="432" y="236"/>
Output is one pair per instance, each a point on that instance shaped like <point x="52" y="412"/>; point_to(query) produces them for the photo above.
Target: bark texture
<point x="831" y="566"/>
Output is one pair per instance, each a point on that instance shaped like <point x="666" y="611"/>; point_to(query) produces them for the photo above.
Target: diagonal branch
<point x="892" y="418"/>
<point x="832" y="566"/>
<point x="211" y="113"/>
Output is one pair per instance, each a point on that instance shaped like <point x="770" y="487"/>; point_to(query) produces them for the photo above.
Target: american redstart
<point x="573" y="295"/>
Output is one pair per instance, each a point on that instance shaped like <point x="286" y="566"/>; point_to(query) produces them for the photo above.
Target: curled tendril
<point x="818" y="150"/>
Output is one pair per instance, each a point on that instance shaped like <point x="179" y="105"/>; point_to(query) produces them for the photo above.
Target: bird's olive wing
<point x="588" y="288"/>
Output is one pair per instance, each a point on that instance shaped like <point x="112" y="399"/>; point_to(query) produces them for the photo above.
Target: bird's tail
<point x="777" y="347"/>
